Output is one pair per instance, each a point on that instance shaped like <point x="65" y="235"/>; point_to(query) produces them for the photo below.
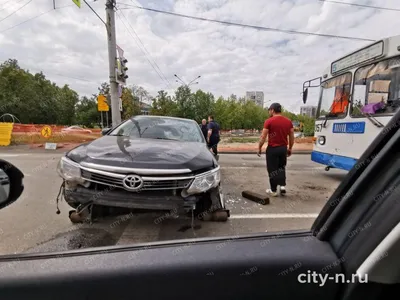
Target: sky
<point x="69" y="44"/>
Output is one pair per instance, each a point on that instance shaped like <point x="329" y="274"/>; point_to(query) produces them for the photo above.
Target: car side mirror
<point x="305" y="95"/>
<point x="105" y="131"/>
<point x="11" y="185"/>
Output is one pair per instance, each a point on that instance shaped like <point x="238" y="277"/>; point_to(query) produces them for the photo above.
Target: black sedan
<point x="146" y="162"/>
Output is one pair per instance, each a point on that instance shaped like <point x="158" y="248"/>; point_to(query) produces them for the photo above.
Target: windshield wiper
<point x="160" y="138"/>
<point x="370" y="118"/>
<point x="329" y="114"/>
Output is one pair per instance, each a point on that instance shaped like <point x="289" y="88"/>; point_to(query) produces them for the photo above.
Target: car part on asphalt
<point x="256" y="197"/>
<point x="81" y="214"/>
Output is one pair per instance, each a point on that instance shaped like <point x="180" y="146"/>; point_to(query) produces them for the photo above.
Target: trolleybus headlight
<point x="321" y="140"/>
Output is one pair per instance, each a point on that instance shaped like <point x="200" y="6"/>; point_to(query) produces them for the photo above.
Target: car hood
<point x="144" y="153"/>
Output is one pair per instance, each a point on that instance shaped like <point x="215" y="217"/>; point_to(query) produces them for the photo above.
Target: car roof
<point x="163" y="117"/>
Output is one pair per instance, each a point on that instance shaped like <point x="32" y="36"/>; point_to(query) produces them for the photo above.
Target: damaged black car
<point x="147" y="162"/>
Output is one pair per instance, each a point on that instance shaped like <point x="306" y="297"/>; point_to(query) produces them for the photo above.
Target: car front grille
<point x="156" y="183"/>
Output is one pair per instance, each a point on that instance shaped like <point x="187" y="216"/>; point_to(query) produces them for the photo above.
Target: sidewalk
<point x="298" y="148"/>
<point x="234" y="148"/>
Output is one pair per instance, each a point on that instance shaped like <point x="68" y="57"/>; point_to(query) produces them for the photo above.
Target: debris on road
<point x="258" y="198"/>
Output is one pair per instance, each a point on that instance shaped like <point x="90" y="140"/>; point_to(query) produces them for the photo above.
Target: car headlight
<point x="321" y="140"/>
<point x="205" y="181"/>
<point x="69" y="170"/>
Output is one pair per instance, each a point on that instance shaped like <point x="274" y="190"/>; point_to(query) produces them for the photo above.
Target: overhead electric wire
<point x="144" y="47"/>
<point x="361" y="5"/>
<point x="261" y="28"/>
<point x="21" y="7"/>
<point x="91" y="8"/>
<point x="30" y="19"/>
<point x="8" y="2"/>
<point x="159" y="75"/>
<point x="70" y="77"/>
<point x="37" y="16"/>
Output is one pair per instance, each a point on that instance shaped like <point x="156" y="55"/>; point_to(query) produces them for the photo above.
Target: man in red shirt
<point x="277" y="128"/>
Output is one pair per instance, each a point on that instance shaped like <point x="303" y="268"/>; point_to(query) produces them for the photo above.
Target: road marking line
<point x="11" y="155"/>
<point x="29" y="155"/>
<point x="274" y="216"/>
<point x="237" y="168"/>
<point x="288" y="168"/>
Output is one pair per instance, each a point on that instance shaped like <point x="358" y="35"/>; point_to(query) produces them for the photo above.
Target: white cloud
<point x="71" y="42"/>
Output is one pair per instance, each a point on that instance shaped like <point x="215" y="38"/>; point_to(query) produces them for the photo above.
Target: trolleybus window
<point x="334" y="98"/>
<point x="377" y="88"/>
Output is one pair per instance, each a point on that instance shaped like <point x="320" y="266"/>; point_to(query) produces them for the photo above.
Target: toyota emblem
<point x="133" y="182"/>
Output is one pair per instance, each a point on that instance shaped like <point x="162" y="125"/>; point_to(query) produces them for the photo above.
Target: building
<point x="256" y="96"/>
<point x="309" y="111"/>
<point x="145" y="108"/>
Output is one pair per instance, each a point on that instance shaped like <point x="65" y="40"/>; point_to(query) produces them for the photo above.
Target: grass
<point x="243" y="140"/>
<point x="37" y="138"/>
<point x="257" y="139"/>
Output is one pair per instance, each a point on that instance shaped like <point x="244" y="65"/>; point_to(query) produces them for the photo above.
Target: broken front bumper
<point x="120" y="198"/>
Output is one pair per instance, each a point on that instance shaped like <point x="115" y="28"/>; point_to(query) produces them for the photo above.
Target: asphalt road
<point x="32" y="225"/>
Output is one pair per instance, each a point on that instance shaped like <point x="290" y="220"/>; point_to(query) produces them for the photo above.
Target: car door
<point x="357" y="232"/>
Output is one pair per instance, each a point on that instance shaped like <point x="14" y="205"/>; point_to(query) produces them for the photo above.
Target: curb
<point x="25" y="148"/>
<point x="253" y="152"/>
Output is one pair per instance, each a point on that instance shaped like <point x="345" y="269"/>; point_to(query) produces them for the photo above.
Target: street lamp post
<point x="184" y="83"/>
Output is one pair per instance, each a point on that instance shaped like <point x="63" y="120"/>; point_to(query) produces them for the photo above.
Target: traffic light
<point x="121" y="70"/>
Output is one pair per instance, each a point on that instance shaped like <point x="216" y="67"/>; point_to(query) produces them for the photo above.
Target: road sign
<point x="77" y="2"/>
<point x="102" y="103"/>
<point x="50" y="146"/>
<point x="46" y="131"/>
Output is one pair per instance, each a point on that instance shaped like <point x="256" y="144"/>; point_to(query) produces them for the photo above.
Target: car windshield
<point x="377" y="88"/>
<point x="334" y="97"/>
<point x="160" y="128"/>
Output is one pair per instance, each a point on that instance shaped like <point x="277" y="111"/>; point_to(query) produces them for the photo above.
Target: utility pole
<point x="112" y="59"/>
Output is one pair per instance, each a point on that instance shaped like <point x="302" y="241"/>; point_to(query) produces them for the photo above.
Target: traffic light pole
<point x="112" y="58"/>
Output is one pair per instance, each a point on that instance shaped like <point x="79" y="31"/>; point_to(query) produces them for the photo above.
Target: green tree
<point x="163" y="105"/>
<point x="34" y="99"/>
<point x="130" y="104"/>
<point x="185" y="103"/>
<point x="289" y="115"/>
<point x="86" y="112"/>
<point x="203" y="105"/>
<point x="221" y="113"/>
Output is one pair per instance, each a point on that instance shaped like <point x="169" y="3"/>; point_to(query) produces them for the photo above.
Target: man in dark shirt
<point x="204" y="128"/>
<point x="277" y="128"/>
<point x="213" y="135"/>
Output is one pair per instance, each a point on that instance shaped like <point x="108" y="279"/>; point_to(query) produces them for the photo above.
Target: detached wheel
<point x="74" y="217"/>
<point x="220" y="216"/>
